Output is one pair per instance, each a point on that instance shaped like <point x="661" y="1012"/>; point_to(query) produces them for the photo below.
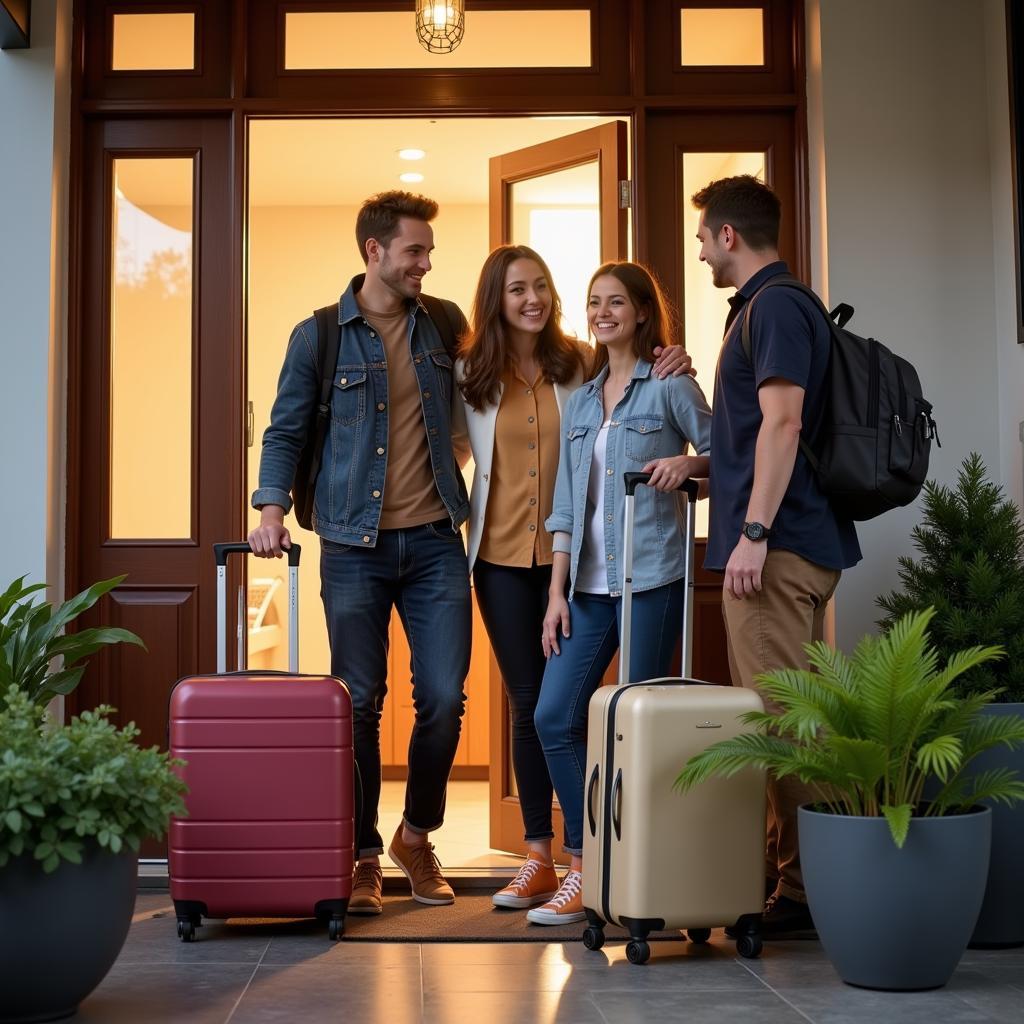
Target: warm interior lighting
<point x="411" y="177"/>
<point x="411" y="154"/>
<point x="440" y="26"/>
<point x="153" y="42"/>
<point x="721" y="36"/>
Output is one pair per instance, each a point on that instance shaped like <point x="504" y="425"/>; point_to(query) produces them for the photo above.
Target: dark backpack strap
<point x="844" y="311"/>
<point x="328" y="345"/>
<point x="448" y="319"/>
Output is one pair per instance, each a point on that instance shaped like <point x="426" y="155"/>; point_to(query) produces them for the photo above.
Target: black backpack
<point x="871" y="453"/>
<point x="445" y="316"/>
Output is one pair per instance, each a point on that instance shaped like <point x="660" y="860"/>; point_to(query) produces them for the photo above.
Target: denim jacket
<point x="653" y="420"/>
<point x="349" y="491"/>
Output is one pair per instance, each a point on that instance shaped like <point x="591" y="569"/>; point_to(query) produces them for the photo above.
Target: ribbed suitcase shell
<point x="269" y="769"/>
<point x="693" y="860"/>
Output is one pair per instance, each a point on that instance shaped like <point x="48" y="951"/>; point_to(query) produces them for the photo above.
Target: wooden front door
<point x="154" y="434"/>
<point x="573" y="191"/>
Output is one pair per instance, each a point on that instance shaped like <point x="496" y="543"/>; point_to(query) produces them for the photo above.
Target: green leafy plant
<point x="971" y="571"/>
<point x="867" y="731"/>
<point x="32" y="636"/>
<point x="62" y="786"/>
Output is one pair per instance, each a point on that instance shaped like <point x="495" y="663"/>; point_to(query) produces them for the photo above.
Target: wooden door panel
<point x="168" y="597"/>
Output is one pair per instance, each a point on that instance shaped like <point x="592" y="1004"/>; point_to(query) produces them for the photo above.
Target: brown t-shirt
<point x="410" y="493"/>
<point x="526" y="440"/>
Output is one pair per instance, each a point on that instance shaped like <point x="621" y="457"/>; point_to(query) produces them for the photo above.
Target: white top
<point x="592" y="575"/>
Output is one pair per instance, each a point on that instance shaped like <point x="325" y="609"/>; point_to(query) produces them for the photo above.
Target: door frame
<point x="239" y="53"/>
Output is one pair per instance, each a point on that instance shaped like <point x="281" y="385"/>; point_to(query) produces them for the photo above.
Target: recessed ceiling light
<point x="411" y="154"/>
<point x="411" y="177"/>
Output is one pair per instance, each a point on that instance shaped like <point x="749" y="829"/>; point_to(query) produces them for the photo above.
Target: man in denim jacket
<point x="388" y="504"/>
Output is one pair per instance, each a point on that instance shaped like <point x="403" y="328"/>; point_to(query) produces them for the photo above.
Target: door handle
<point x="591" y="793"/>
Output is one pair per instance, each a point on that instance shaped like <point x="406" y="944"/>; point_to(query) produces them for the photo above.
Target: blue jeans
<point x="571" y="678"/>
<point x="422" y="571"/>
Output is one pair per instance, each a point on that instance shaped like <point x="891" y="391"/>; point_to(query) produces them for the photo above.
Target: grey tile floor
<point x="257" y="975"/>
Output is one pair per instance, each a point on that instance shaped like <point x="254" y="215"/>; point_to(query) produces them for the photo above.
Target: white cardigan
<point x="480" y="426"/>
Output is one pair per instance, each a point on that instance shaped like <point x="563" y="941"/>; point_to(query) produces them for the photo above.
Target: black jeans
<point x="512" y="604"/>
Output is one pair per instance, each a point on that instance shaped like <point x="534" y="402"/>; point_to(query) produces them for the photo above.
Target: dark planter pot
<point x="1001" y="921"/>
<point x="889" y="918"/>
<point x="62" y="932"/>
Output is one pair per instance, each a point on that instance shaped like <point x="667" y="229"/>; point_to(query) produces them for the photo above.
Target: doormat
<point x="472" y="918"/>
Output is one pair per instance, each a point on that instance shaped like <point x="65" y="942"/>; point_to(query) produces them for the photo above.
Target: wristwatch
<point x="756" y="531"/>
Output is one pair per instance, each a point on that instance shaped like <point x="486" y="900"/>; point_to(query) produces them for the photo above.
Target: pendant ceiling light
<point x="440" y="24"/>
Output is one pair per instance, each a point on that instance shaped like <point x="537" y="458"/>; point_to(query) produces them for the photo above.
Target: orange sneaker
<point x="565" y="907"/>
<point x="536" y="882"/>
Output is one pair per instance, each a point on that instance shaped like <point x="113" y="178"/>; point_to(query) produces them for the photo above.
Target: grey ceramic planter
<point x="892" y="918"/>
<point x="61" y="932"/>
<point x="1001" y="921"/>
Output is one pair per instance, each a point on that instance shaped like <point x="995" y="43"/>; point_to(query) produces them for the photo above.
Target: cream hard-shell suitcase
<point x="653" y="858"/>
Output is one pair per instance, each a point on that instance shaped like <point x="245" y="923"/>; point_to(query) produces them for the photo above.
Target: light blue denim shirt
<point x="653" y="420"/>
<point x="349" y="491"/>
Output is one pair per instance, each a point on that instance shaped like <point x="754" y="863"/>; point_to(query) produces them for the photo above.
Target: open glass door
<point x="569" y="199"/>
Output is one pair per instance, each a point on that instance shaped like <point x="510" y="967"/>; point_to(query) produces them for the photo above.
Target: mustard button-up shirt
<point x="525" y="464"/>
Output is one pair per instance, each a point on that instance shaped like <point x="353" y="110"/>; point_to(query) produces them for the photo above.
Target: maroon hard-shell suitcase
<point x="272" y="791"/>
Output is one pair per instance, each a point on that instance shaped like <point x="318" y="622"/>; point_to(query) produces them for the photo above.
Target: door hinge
<point x="249" y="425"/>
<point x="625" y="194"/>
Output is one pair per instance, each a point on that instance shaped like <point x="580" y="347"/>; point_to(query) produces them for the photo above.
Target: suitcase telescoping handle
<point x="220" y="554"/>
<point x="633" y="480"/>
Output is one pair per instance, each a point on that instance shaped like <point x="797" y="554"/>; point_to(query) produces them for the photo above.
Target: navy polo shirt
<point x="789" y="339"/>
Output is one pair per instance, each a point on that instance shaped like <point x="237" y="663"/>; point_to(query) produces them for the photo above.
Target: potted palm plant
<point x="970" y="568"/>
<point x="894" y="882"/>
<point x="75" y="802"/>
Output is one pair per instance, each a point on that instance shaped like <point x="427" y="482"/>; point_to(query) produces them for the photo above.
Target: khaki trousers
<point x="766" y="631"/>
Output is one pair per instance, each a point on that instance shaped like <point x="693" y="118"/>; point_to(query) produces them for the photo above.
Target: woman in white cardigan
<point x="516" y="371"/>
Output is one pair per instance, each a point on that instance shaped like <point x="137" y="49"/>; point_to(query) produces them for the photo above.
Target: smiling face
<point x="401" y="264"/>
<point x="526" y="300"/>
<point x="715" y="254"/>
<point x="611" y="314"/>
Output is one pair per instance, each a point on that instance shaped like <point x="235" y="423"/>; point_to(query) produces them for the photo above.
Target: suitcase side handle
<point x="617" y="805"/>
<point x="591" y="794"/>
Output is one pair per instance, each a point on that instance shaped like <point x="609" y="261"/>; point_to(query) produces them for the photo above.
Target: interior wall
<point x="35" y="121"/>
<point x="909" y="221"/>
<point x="302" y="257"/>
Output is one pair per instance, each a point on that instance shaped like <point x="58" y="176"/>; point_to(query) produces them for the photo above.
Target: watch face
<point x="753" y="531"/>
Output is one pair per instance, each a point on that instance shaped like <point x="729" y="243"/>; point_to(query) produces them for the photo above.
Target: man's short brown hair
<point x="751" y="208"/>
<point x="379" y="216"/>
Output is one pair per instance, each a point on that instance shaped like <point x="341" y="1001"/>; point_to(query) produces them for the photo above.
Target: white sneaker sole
<point x="521" y="902"/>
<point x="549" y="917"/>
<point x="430" y="902"/>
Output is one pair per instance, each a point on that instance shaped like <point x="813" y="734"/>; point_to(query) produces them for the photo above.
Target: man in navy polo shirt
<point x="772" y="532"/>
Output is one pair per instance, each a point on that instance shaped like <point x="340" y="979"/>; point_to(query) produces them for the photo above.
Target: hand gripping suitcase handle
<point x="220" y="554"/>
<point x="690" y="487"/>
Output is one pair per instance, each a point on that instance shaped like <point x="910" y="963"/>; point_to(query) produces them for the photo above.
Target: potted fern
<point x="894" y="882"/>
<point x="970" y="568"/>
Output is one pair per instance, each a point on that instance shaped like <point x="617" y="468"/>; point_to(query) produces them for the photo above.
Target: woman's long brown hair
<point x="646" y="295"/>
<point x="484" y="346"/>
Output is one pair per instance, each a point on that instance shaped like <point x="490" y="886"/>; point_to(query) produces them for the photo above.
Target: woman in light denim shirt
<point x="624" y="419"/>
<point x="516" y="374"/>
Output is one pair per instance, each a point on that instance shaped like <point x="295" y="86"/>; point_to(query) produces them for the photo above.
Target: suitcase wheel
<point x="186" y="930"/>
<point x="638" y="952"/>
<point x="335" y="928"/>
<point x="593" y="938"/>
<point x="749" y="946"/>
<point x="698" y="935"/>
